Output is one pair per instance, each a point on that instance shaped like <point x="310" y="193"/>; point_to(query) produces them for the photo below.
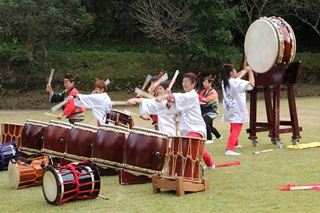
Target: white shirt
<point x="234" y="101"/>
<point x="99" y="103"/>
<point x="187" y="107"/>
<point x="166" y="123"/>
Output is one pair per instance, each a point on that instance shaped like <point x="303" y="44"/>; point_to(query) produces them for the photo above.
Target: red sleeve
<point x="70" y="108"/>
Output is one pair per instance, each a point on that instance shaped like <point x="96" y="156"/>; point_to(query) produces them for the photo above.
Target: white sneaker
<point x="209" y="167"/>
<point x="238" y="147"/>
<point x="209" y="141"/>
<point x="232" y="153"/>
<point x="217" y="138"/>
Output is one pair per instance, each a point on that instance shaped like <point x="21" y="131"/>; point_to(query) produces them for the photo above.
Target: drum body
<point x="145" y="148"/>
<point x="8" y="151"/>
<point x="71" y="182"/>
<point x="269" y="41"/>
<point x="119" y="118"/>
<point x="185" y="158"/>
<point x="109" y="143"/>
<point x="80" y="140"/>
<point x="22" y="175"/>
<point x="55" y="137"/>
<point x="11" y="132"/>
<point x="33" y="134"/>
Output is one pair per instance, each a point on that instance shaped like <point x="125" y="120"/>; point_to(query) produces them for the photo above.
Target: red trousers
<point x="235" y="129"/>
<point x="206" y="156"/>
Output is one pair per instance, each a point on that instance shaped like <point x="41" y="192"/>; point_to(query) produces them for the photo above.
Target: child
<point x="234" y="103"/>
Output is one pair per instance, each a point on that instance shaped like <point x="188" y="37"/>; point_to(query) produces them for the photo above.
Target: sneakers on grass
<point x="209" y="167"/>
<point x="232" y="153"/>
<point x="217" y="138"/>
<point x="209" y="141"/>
<point x="238" y="147"/>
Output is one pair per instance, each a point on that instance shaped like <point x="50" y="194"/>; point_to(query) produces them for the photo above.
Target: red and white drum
<point x="119" y="118"/>
<point x="33" y="136"/>
<point x="269" y="41"/>
<point x="80" y="140"/>
<point x="71" y="182"/>
<point x="24" y="174"/>
<point x="55" y="138"/>
<point x="109" y="145"/>
<point x="11" y="132"/>
<point x="8" y="151"/>
<point x="145" y="148"/>
<point x="185" y="158"/>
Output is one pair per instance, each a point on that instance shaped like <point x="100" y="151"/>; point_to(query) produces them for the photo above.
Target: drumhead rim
<point x="13" y="170"/>
<point x="57" y="189"/>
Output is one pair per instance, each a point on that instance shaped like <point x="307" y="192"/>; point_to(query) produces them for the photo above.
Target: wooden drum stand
<point x="278" y="79"/>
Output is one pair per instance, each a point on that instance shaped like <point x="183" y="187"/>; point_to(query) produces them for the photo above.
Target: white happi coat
<point x="166" y="123"/>
<point x="234" y="101"/>
<point x="99" y="103"/>
<point x="187" y="107"/>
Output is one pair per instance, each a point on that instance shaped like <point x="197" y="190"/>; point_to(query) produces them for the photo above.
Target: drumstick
<point x="173" y="79"/>
<point x="118" y="103"/>
<point x="50" y="78"/>
<point x="50" y="114"/>
<point x="146" y="82"/>
<point x="130" y="113"/>
<point x="103" y="197"/>
<point x="263" y="151"/>
<point x="59" y="105"/>
<point x="164" y="77"/>
<point x="107" y="82"/>
<point x="143" y="93"/>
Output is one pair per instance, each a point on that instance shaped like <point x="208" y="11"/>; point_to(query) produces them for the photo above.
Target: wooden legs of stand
<point x="179" y="185"/>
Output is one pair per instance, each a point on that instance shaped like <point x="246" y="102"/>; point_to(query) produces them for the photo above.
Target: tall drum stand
<point x="271" y="84"/>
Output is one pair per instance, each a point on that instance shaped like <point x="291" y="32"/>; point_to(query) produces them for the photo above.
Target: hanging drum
<point x="269" y="41"/>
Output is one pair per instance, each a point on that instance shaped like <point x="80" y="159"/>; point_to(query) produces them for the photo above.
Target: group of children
<point x="195" y="112"/>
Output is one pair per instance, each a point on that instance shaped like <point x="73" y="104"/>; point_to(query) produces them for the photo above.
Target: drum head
<point x="50" y="185"/>
<point x="261" y="45"/>
<point x="14" y="174"/>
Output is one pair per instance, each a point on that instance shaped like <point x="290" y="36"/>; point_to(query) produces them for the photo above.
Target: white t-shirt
<point x="234" y="101"/>
<point x="99" y="103"/>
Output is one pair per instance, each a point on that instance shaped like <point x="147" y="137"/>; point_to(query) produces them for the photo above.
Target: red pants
<point x="206" y="156"/>
<point x="235" y="129"/>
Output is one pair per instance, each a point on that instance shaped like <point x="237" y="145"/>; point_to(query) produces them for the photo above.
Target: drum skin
<point x="109" y="143"/>
<point x="56" y="135"/>
<point x="145" y="148"/>
<point x="11" y="132"/>
<point x="80" y="140"/>
<point x="8" y="151"/>
<point x="33" y="134"/>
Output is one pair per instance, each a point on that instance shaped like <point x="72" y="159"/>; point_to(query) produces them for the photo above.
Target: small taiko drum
<point x="80" y="140"/>
<point x="11" y="132"/>
<point x="145" y="150"/>
<point x="27" y="172"/>
<point x="55" y="138"/>
<point x="269" y="41"/>
<point x="109" y="145"/>
<point x="71" y="182"/>
<point x="185" y="158"/>
<point x="119" y="118"/>
<point x="8" y="151"/>
<point x="33" y="136"/>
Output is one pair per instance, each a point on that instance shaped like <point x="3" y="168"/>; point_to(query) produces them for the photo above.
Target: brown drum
<point x="80" y="140"/>
<point x="145" y="148"/>
<point x="32" y="136"/>
<point x="109" y="145"/>
<point x="55" y="138"/>
<point x="185" y="158"/>
<point x="269" y="40"/>
<point x="24" y="174"/>
<point x="119" y="118"/>
<point x="11" y="132"/>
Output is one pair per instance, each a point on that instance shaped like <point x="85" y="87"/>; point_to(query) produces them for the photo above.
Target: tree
<point x="41" y="24"/>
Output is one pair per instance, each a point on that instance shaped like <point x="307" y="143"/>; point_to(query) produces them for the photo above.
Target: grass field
<point x="250" y="187"/>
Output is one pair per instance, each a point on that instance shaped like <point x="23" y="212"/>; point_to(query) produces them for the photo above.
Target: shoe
<point x="209" y="141"/>
<point x="217" y="138"/>
<point x="209" y="167"/>
<point x="238" y="147"/>
<point x="232" y="153"/>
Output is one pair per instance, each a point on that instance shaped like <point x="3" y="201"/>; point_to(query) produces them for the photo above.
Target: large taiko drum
<point x="71" y="182"/>
<point x="28" y="172"/>
<point x="145" y="150"/>
<point x="33" y="136"/>
<point x="8" y="151"/>
<point x="269" y="40"/>
<point x="185" y="158"/>
<point x="119" y="118"/>
<point x="80" y="140"/>
<point x="11" y="132"/>
<point x="55" y="138"/>
<point x="108" y="147"/>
